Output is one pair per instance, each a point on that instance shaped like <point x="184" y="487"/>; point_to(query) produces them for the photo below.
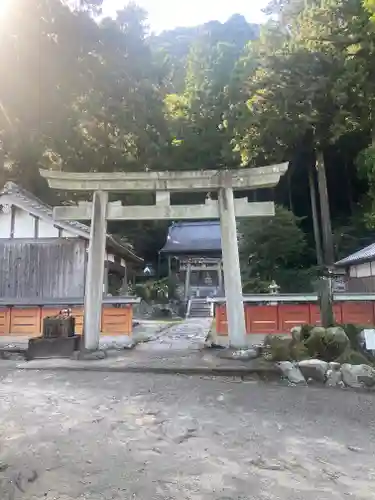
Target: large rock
<point x="334" y="366"/>
<point x="239" y="354"/>
<point x="296" y="333"/>
<point x="357" y="376"/>
<point x="338" y="334"/>
<point x="334" y="378"/>
<point x="315" y="369"/>
<point x="291" y="372"/>
<point x="277" y="348"/>
<point x="327" y="344"/>
<point x="318" y="330"/>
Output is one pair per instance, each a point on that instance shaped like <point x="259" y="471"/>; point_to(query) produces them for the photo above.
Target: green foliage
<point x="278" y="348"/>
<point x="153" y="291"/>
<point x="353" y="332"/>
<point x="321" y="344"/>
<point x="317" y="342"/>
<point x="353" y="357"/>
<point x="356" y="232"/>
<point x="160" y="291"/>
<point x="173" y="47"/>
<point x="94" y="94"/>
<point x="274" y="249"/>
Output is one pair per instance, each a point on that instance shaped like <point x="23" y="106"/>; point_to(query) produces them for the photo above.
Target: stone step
<point x="199" y="309"/>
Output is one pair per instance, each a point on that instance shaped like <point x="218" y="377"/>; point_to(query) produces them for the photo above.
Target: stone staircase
<point x="198" y="308"/>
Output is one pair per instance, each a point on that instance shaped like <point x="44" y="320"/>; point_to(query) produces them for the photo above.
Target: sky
<point x="169" y="14"/>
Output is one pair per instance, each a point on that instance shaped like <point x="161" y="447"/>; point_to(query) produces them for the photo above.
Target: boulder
<point x="317" y="330"/>
<point x="239" y="354"/>
<point x="327" y="344"/>
<point x="334" y="366"/>
<point x="337" y="334"/>
<point x="351" y="357"/>
<point x="291" y="372"/>
<point x="296" y="333"/>
<point x="334" y="378"/>
<point x="357" y="376"/>
<point x="277" y="348"/>
<point x="315" y="369"/>
<point x="299" y="351"/>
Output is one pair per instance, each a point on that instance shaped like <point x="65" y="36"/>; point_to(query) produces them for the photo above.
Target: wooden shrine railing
<point x="267" y="314"/>
<point x="24" y="317"/>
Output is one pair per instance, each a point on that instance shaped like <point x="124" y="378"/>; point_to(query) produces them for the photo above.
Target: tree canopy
<point x="81" y="92"/>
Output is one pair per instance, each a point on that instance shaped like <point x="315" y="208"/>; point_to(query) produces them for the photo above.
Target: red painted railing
<point x="281" y="317"/>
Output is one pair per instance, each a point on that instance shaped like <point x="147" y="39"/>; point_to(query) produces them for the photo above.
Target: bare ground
<point x="87" y="435"/>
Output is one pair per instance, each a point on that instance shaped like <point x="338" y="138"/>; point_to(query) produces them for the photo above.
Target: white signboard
<point x="369" y="339"/>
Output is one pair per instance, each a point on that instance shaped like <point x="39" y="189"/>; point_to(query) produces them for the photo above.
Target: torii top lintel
<point x="201" y="180"/>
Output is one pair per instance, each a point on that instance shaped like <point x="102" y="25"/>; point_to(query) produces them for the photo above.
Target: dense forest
<point x="81" y="92"/>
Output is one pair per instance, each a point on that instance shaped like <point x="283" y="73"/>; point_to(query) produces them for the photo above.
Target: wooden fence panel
<point x="25" y="321"/>
<point x="282" y="317"/>
<point x="315" y="314"/>
<point x="291" y="315"/>
<point x="359" y="313"/>
<point x="53" y="268"/>
<point x="262" y="319"/>
<point x="117" y="321"/>
<point x="28" y="321"/>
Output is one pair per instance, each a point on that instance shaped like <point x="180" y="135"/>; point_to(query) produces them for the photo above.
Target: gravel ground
<point x="94" y="436"/>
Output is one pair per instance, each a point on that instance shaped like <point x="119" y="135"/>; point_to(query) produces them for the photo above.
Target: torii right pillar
<point x="232" y="270"/>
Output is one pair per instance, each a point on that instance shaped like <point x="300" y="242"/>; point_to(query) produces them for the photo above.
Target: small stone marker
<point x="58" y="339"/>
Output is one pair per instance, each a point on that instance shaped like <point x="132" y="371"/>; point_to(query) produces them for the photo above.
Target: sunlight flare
<point x="4" y="7"/>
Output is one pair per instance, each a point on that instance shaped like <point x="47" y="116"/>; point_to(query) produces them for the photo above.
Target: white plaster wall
<point x="5" y="224"/>
<point x="353" y="272"/>
<point x="47" y="230"/>
<point x="24" y="224"/>
<point x="66" y="234"/>
<point x="363" y="270"/>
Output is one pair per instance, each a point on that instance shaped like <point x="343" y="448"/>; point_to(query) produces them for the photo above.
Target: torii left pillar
<point x="95" y="272"/>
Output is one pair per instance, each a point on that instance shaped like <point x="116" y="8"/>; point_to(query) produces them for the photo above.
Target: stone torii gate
<point x="227" y="208"/>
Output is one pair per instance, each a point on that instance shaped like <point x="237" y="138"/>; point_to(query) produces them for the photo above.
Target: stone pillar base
<point x="86" y="355"/>
<point x="61" y="347"/>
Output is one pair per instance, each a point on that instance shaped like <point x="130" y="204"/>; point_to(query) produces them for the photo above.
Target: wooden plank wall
<point x="28" y="321"/>
<point x="282" y="318"/>
<point x="53" y="268"/>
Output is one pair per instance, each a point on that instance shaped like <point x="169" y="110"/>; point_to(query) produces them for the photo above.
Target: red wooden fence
<point x="281" y="318"/>
<point x="28" y="321"/>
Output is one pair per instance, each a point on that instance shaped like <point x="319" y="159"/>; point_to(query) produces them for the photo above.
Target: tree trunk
<point x="325" y="302"/>
<point x="315" y="217"/>
<point x="329" y="256"/>
<point x="349" y="187"/>
<point x="290" y="190"/>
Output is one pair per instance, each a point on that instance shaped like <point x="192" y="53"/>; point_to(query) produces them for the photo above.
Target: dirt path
<point x="68" y="436"/>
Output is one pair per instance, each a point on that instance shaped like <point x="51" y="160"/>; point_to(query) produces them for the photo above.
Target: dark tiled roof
<point x="365" y="255"/>
<point x="195" y="237"/>
<point x="29" y="201"/>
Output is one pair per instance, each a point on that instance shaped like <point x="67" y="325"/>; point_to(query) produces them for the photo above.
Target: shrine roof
<point x="193" y="237"/>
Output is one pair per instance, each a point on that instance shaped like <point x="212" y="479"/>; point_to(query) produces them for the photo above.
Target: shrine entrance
<point x="194" y="254"/>
<point x="226" y="208"/>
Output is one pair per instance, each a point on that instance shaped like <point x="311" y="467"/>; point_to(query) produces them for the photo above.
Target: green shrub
<point x="278" y="348"/>
<point x="153" y="291"/>
<point x="299" y="351"/>
<point x="323" y="344"/>
<point x="352" y="357"/>
<point x="305" y="332"/>
<point x="352" y="331"/>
